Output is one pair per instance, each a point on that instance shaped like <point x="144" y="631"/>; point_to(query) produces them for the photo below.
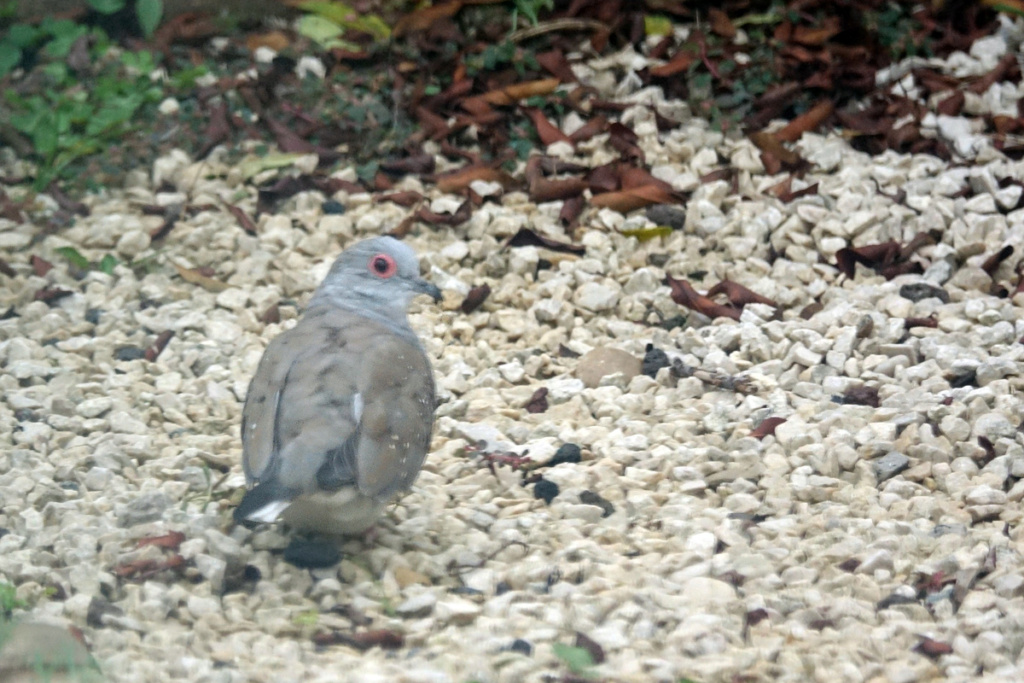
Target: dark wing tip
<point x="262" y="504"/>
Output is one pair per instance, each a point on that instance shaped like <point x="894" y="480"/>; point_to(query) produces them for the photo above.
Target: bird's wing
<point x="337" y="400"/>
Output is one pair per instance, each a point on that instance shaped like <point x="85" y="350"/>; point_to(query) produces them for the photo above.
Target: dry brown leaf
<point x="739" y="295"/>
<point x="422" y="19"/>
<point x="806" y="122"/>
<point x="548" y="190"/>
<point x="770" y="144"/>
<point x="684" y="294"/>
<point x="275" y="40"/>
<point x="548" y="132"/>
<point x="625" y="201"/>
<point x="458" y="180"/>
<point x="193" y="276"/>
<point x="520" y="91"/>
<point x="680" y="62"/>
<point x="767" y="427"/>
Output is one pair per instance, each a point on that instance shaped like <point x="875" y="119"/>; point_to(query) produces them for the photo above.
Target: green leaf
<point x="107" y="264"/>
<point x="253" y="165"/>
<point x="578" y="659"/>
<point x="10" y="57"/>
<point x="22" y="35"/>
<point x="73" y="257"/>
<point x="657" y="25"/>
<point x="107" y="6"/>
<point x="318" y="29"/>
<point x="149" y="13"/>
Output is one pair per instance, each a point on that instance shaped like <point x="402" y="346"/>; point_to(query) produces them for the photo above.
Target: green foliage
<point x="107" y="6"/>
<point x="530" y="9"/>
<point x="9" y="600"/>
<point x="578" y="659"/>
<point x="149" y="13"/>
<point x="326" y="22"/>
<point x="73" y="115"/>
<point x="75" y="258"/>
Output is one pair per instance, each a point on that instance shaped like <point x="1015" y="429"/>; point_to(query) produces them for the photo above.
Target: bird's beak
<point x="430" y="288"/>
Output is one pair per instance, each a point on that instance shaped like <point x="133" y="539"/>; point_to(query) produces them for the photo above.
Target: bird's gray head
<point x="378" y="276"/>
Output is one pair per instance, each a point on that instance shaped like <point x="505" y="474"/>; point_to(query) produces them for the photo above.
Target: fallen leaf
<point x="461" y="215"/>
<point x="405" y="198"/>
<point x="415" y="164"/>
<point x="806" y="122"/>
<point x="594" y="126"/>
<point x="549" y="190"/>
<point x="861" y="395"/>
<point x="647" y="234"/>
<point x="557" y="65"/>
<point x="158" y="345"/>
<point x="422" y="19"/>
<point x="520" y="91"/>
<point x="739" y="295"/>
<point x="769" y="143"/>
<point x="243" y="219"/>
<point x="40" y="266"/>
<point x="528" y="238"/>
<point x="548" y="132"/>
<point x="6" y="269"/>
<point x="933" y="648"/>
<point x="684" y="294"/>
<point x="51" y="294"/>
<point x="171" y="540"/>
<point x="538" y="402"/>
<point x="991" y="264"/>
<point x="144" y="569"/>
<point x="767" y="427"/>
<point x="573" y="206"/>
<point x="920" y="322"/>
<point x="456" y="181"/>
<point x="475" y="298"/>
<point x="720" y="23"/>
<point x="625" y="201"/>
<point x="584" y="641"/>
<point x="680" y="62"/>
<point x="195" y="277"/>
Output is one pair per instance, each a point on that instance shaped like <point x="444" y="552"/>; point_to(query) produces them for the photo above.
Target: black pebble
<point x="666" y="214"/>
<point x="591" y="498"/>
<point x="502" y="588"/>
<point x="922" y="290"/>
<point x="311" y="554"/>
<point x="654" y="359"/>
<point x="93" y="316"/>
<point x="333" y="207"/>
<point x="567" y="452"/>
<point x="252" y="573"/>
<point x="545" y="490"/>
<point x="130" y="353"/>
<point x="521" y="646"/>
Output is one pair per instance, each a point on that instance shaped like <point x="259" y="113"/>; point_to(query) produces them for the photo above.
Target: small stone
<point x="918" y="291"/>
<point x="127" y="353"/>
<point x="889" y="465"/>
<point x="545" y="490"/>
<point x="596" y="296"/>
<point x="406" y="577"/>
<point x="148" y="507"/>
<point x="521" y="646"/>
<point x="417" y="606"/>
<point x="311" y="554"/>
<point x="94" y="407"/>
<point x="654" y="359"/>
<point x="567" y="452"/>
<point x="604" y="361"/>
<point x="666" y="214"/>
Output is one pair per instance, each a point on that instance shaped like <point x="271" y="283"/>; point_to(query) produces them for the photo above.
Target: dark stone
<point x="658" y="260"/>
<point x="333" y="207"/>
<point x="502" y="588"/>
<point x="521" y="646"/>
<point x="93" y="315"/>
<point x="654" y="359"/>
<point x="889" y="465"/>
<point x="130" y="353"/>
<point x="924" y="290"/>
<point x="252" y="573"/>
<point x="306" y="554"/>
<point x="545" y="490"/>
<point x="591" y="498"/>
<point x="666" y="214"/>
<point x="99" y="608"/>
<point x="567" y="452"/>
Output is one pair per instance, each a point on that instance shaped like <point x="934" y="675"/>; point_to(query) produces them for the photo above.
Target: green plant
<point x="148" y="12"/>
<point x="578" y="659"/>
<point x="74" y="113"/>
<point x="9" y="600"/>
<point x="105" y="264"/>
<point x="530" y="9"/>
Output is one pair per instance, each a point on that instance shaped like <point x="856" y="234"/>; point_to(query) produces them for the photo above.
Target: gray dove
<point x="339" y="414"/>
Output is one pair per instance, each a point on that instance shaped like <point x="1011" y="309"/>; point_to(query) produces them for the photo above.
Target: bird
<point x="339" y="414"/>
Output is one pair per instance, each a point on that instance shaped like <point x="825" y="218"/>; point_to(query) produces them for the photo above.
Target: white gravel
<point x="826" y="552"/>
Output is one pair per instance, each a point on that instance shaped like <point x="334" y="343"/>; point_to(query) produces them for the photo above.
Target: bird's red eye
<point x="383" y="265"/>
